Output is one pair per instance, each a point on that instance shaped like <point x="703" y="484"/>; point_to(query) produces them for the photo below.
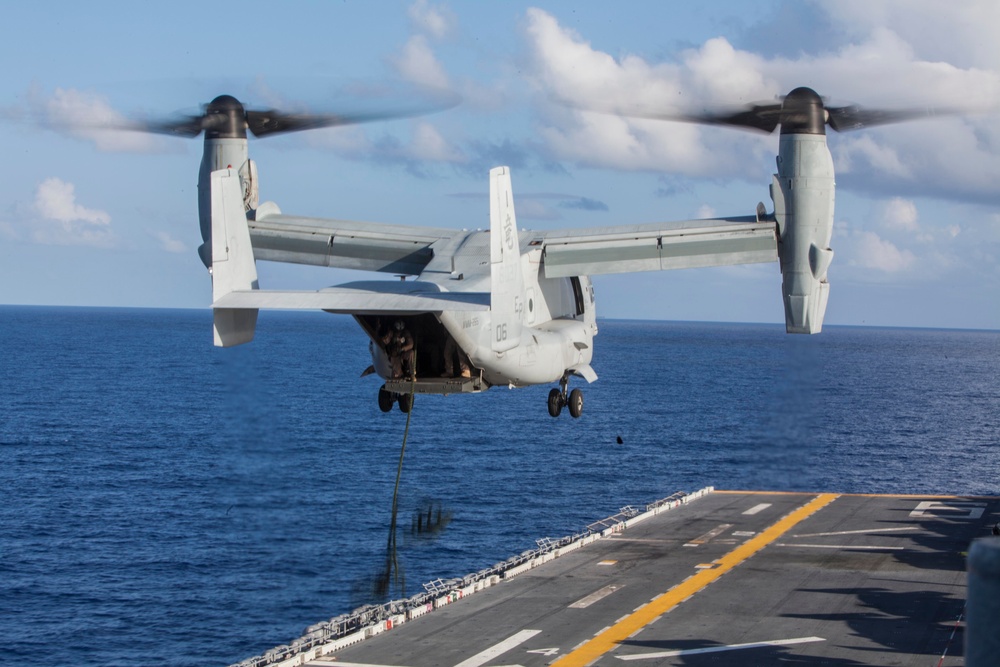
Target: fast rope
<point x="393" y="571"/>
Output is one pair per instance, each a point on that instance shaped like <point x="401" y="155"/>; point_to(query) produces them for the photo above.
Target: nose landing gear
<point x="563" y="397"/>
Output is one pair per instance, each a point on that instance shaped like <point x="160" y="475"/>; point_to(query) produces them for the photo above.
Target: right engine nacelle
<point x="803" y="194"/>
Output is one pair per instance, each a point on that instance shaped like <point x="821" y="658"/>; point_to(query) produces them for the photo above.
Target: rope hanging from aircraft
<point x="392" y="572"/>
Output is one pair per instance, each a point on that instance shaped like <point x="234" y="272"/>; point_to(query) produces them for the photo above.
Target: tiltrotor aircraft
<point x="504" y="306"/>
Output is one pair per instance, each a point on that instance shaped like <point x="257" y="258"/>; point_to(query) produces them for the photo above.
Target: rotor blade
<point x="760" y="117"/>
<point x="763" y="117"/>
<point x="188" y="126"/>
<point x="271" y="121"/>
<point x="845" y="119"/>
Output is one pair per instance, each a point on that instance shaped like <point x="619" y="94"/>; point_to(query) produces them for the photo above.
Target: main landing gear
<point x="563" y="397"/>
<point x="386" y="399"/>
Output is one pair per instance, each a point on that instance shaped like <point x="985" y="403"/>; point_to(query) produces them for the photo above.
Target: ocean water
<point x="164" y="502"/>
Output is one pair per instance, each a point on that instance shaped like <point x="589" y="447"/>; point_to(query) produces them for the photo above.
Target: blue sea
<point x="164" y="502"/>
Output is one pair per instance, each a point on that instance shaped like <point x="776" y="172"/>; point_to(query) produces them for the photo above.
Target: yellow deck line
<point x="609" y="639"/>
<point x="856" y="495"/>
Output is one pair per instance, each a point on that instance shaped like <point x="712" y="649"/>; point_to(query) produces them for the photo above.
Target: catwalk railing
<point x="328" y="636"/>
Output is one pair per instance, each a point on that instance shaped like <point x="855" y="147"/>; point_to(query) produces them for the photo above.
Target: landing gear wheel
<point x="555" y="402"/>
<point x="575" y="403"/>
<point x="405" y="402"/>
<point x="385" y="399"/>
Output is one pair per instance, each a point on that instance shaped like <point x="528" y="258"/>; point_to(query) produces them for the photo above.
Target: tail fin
<point x="507" y="281"/>
<point x="233" y="266"/>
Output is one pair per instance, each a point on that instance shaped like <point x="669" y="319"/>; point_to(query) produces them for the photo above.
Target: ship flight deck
<point x="735" y="578"/>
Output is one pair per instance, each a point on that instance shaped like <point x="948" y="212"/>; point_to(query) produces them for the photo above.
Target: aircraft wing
<point x="344" y="244"/>
<point x="658" y="246"/>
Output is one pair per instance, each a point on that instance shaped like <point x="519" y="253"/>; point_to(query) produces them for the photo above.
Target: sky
<point x="92" y="218"/>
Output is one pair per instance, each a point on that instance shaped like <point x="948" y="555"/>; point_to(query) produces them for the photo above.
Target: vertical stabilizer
<point x="233" y="267"/>
<point x="507" y="281"/>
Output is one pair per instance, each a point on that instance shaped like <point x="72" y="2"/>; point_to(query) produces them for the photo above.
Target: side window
<point x="577" y="294"/>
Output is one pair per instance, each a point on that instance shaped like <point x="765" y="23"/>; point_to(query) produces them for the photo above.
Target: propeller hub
<point x="802" y="112"/>
<point x="225" y="118"/>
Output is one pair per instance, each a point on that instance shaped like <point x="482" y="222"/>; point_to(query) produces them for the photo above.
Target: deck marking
<point x="975" y="510"/>
<point x="758" y="508"/>
<point x="856" y="547"/>
<point x="718" y="649"/>
<point x="857" y="532"/>
<point x="483" y="657"/>
<point x="715" y="532"/>
<point x="337" y="663"/>
<point x="609" y="639"/>
<point x="585" y="602"/>
<point x="545" y="651"/>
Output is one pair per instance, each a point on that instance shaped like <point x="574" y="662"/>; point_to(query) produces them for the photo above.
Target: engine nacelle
<point x="803" y="194"/>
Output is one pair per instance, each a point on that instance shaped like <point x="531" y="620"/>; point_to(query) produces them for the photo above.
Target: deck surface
<point x="734" y="578"/>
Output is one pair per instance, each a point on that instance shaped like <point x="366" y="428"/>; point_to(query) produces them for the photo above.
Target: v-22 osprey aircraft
<point x="504" y="306"/>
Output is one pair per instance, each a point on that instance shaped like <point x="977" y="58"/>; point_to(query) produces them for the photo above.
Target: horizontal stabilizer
<point x="357" y="298"/>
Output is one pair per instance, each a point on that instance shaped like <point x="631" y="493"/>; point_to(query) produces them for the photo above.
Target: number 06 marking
<point x="501" y="332"/>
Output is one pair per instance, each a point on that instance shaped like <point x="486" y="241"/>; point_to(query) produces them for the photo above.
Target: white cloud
<point x="417" y="64"/>
<point x="923" y="23"/>
<point x="56" y="200"/>
<point x="570" y="70"/>
<point x="169" y="243"/>
<point x="872" y="252"/>
<point x="900" y="214"/>
<point x="434" y="20"/>
<point x="861" y="152"/>
<point x="62" y="221"/>
<point x="90" y="117"/>
<point x="428" y="144"/>
<point x="876" y="66"/>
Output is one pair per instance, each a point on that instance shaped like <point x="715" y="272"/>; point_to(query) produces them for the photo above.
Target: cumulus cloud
<point x="90" y="117"/>
<point x="922" y="23"/>
<point x="418" y="64"/>
<point x="62" y="221"/>
<point x="434" y="20"/>
<point x="56" y="200"/>
<point x="952" y="157"/>
<point x="169" y="243"/>
<point x="567" y="68"/>
<point x="900" y="214"/>
<point x="428" y="144"/>
<point x="859" y="153"/>
<point x="872" y="252"/>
